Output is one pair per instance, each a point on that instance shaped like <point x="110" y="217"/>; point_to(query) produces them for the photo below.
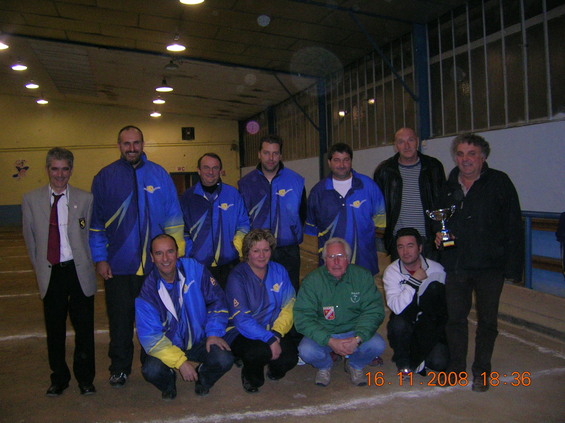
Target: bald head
<point x="406" y="144"/>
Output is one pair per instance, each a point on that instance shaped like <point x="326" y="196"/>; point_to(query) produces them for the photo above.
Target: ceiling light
<point x="164" y="87"/>
<point x="176" y="46"/>
<point x="155" y="114"/>
<point x="192" y="1"/>
<point x="19" y="66"/>
<point x="3" y="46"/>
<point x="158" y="100"/>
<point x="371" y="101"/>
<point x="342" y="113"/>
<point x="32" y="85"/>
<point x="41" y="100"/>
<point x="171" y="66"/>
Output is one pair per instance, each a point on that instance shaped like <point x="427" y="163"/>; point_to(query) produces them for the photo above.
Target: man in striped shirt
<point x="410" y="182"/>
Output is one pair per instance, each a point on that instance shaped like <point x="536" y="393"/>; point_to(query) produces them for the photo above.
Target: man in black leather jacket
<point x="411" y="183"/>
<point x="489" y="245"/>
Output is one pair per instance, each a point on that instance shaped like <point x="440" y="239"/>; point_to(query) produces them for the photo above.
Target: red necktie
<point x="54" y="243"/>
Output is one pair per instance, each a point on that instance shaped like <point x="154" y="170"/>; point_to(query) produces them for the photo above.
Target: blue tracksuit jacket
<point x="276" y="205"/>
<point x="352" y="218"/>
<point x="131" y="206"/>
<point x="211" y="225"/>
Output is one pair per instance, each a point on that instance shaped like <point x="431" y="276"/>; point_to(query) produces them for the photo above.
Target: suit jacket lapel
<point x="45" y="202"/>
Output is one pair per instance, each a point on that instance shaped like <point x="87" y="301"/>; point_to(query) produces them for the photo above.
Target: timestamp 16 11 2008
<point x="449" y="379"/>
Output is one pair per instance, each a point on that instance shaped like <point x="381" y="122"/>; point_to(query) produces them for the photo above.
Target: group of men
<point x="165" y="263"/>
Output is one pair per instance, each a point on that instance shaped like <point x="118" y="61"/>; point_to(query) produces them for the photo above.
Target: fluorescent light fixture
<point x="41" y="100"/>
<point x="192" y="2"/>
<point x="164" y="87"/>
<point x="32" y="85"/>
<point x="158" y="100"/>
<point x="155" y="114"/>
<point x="176" y="46"/>
<point x="19" y="66"/>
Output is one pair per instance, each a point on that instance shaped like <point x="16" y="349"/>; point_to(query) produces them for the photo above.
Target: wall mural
<point x="21" y="169"/>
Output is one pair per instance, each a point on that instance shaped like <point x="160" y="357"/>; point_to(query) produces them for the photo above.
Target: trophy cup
<point x="442" y="215"/>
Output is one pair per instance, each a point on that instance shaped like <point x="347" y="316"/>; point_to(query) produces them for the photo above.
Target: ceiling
<point x="242" y="55"/>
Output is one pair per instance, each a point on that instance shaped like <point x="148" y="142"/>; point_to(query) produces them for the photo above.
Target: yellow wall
<point x="28" y="130"/>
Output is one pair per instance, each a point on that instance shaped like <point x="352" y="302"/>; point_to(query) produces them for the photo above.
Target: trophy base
<point x="450" y="243"/>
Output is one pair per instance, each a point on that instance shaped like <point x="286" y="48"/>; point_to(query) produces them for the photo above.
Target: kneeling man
<point x="339" y="309"/>
<point x="181" y="317"/>
<point x="415" y="294"/>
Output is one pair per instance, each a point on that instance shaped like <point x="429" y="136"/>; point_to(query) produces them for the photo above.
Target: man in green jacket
<point x="339" y="309"/>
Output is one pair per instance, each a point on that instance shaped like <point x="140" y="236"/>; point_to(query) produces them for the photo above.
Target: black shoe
<point x="201" y="390"/>
<point x="248" y="387"/>
<point x="55" y="390"/>
<point x="117" y="380"/>
<point x="479" y="384"/>
<point x="272" y="376"/>
<point x="87" y="389"/>
<point x="238" y="362"/>
<point x="169" y="395"/>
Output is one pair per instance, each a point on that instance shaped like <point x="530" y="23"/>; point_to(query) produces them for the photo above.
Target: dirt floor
<point x="531" y="386"/>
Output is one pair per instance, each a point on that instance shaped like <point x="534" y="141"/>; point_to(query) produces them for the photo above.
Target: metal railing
<point x="528" y="216"/>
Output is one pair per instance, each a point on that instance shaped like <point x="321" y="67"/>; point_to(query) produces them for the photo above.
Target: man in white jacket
<point x="415" y="293"/>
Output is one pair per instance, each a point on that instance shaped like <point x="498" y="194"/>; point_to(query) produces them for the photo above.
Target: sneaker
<point x="377" y="361"/>
<point x="300" y="362"/>
<point x="479" y="384"/>
<point x="357" y="377"/>
<point x="323" y="377"/>
<point x="117" y="380"/>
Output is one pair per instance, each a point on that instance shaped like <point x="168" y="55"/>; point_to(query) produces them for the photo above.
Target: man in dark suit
<point x="56" y="218"/>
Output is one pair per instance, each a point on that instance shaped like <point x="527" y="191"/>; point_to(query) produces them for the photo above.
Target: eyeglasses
<point x="337" y="256"/>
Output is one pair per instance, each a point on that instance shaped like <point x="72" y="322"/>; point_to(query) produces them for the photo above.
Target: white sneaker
<point x="300" y="362"/>
<point x="357" y="377"/>
<point x="323" y="377"/>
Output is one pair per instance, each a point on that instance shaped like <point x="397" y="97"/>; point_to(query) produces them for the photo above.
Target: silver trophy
<point x="442" y="215"/>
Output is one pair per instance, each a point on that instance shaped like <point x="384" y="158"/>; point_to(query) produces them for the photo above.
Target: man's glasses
<point x="337" y="256"/>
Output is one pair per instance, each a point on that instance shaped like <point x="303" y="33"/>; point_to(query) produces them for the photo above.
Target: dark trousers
<point x="214" y="365"/>
<point x="487" y="286"/>
<point x="64" y="296"/>
<point x="121" y="291"/>
<point x="255" y="355"/>
<point x="289" y="257"/>
<point x="222" y="272"/>
<point x="418" y="333"/>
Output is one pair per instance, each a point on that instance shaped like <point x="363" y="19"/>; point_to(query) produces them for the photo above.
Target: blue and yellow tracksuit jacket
<point x="352" y="218"/>
<point x="171" y="318"/>
<point x="276" y="205"/>
<point x="131" y="206"/>
<point x="214" y="229"/>
<point x="259" y="310"/>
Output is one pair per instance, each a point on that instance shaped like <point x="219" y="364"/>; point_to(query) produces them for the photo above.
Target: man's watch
<point x="359" y="340"/>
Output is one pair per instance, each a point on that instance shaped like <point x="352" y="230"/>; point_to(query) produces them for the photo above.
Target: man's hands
<point x="103" y="269"/>
<point x="420" y="274"/>
<point x="216" y="340"/>
<point x="188" y="372"/>
<point x="276" y="349"/>
<point x="344" y="346"/>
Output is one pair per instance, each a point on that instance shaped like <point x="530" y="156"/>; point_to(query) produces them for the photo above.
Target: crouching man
<point x="339" y="309"/>
<point x="415" y="293"/>
<point x="181" y="317"/>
